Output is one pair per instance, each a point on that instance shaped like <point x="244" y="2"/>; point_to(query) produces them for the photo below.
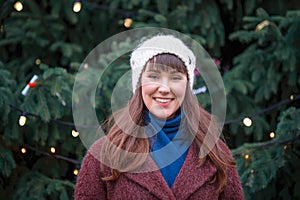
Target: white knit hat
<point x="157" y="45"/>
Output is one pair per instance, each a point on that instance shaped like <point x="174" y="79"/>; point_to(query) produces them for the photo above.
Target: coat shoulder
<point x="224" y="147"/>
<point x="89" y="184"/>
<point x="233" y="188"/>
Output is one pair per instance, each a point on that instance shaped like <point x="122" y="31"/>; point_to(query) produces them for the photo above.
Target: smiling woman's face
<point x="163" y="89"/>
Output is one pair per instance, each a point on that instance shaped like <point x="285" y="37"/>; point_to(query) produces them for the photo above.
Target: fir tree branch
<point x="264" y="144"/>
<point x="76" y="162"/>
<point x="124" y="12"/>
<point x="285" y="101"/>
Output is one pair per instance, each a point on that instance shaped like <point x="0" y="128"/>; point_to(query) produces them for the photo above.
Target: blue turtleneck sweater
<point x="169" y="144"/>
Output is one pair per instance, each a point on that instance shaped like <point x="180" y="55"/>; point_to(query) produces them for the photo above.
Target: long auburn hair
<point x="129" y="135"/>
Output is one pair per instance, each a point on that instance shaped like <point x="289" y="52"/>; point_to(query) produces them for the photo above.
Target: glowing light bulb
<point x="247" y="121"/>
<point x="77" y="6"/>
<point x="22" y="120"/>
<point x="75" y="133"/>
<point x="262" y="24"/>
<point x="52" y="149"/>
<point x="285" y="147"/>
<point x="18" y="6"/>
<point x="272" y="135"/>
<point x="75" y="172"/>
<point x="292" y="97"/>
<point x="23" y="150"/>
<point x="247" y="156"/>
<point x="38" y="61"/>
<point x="127" y="22"/>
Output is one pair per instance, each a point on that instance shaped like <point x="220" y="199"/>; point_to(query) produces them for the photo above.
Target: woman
<point x="163" y="144"/>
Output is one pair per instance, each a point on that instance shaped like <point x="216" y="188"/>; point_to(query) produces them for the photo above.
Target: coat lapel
<point x="192" y="176"/>
<point x="152" y="181"/>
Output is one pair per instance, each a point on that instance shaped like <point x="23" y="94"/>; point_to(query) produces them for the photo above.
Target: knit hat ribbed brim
<point x="158" y="45"/>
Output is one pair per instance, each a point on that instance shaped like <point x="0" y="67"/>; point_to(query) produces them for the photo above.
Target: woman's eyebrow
<point x="175" y="72"/>
<point x="153" y="70"/>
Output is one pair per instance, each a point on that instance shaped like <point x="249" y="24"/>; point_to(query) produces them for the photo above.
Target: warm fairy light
<point x="22" y="120"/>
<point x="18" y="6"/>
<point x="23" y="150"/>
<point x="38" y="61"/>
<point x="252" y="171"/>
<point x="247" y="156"/>
<point x="247" y="121"/>
<point x="75" y="133"/>
<point x="272" y="135"/>
<point x="77" y="6"/>
<point x="292" y="97"/>
<point x="127" y="22"/>
<point x="52" y="149"/>
<point x="285" y="147"/>
<point x="262" y="25"/>
<point x="75" y="172"/>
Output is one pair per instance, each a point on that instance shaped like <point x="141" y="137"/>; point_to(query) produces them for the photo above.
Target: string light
<point x="85" y="66"/>
<point x="262" y="25"/>
<point x="22" y="120"/>
<point x="38" y="61"/>
<point x="71" y="160"/>
<point x="23" y="150"/>
<point x="18" y="6"/>
<point x="76" y="162"/>
<point x="272" y="135"/>
<point x="75" y="172"/>
<point x="75" y="133"/>
<point x="77" y="6"/>
<point x="247" y="156"/>
<point x="127" y="22"/>
<point x="52" y="149"/>
<point x="247" y="121"/>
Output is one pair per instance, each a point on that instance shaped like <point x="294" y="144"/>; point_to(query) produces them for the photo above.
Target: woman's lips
<point x="163" y="101"/>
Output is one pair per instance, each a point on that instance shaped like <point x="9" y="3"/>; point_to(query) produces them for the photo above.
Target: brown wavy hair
<point x="129" y="135"/>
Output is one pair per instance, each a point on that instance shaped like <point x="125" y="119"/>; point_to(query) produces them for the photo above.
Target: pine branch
<point x="76" y="162"/>
<point x="249" y="146"/>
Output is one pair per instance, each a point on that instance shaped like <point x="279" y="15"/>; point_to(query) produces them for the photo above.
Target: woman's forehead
<point x="161" y="67"/>
<point x="167" y="63"/>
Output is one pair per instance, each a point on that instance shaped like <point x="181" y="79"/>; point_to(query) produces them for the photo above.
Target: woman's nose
<point x="164" y="87"/>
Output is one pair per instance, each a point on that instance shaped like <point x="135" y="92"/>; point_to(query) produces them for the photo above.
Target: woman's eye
<point x="176" y="78"/>
<point x="153" y="76"/>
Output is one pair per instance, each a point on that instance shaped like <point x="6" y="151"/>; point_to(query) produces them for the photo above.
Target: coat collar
<point x="152" y="180"/>
<point x="190" y="178"/>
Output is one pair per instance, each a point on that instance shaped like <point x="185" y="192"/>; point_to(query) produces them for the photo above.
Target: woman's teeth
<point x="162" y="100"/>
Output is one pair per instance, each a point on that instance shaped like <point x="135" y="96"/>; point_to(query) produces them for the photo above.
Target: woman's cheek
<point x="148" y="87"/>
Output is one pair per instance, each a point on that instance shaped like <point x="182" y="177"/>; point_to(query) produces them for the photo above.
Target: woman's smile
<point x="163" y="91"/>
<point x="163" y="101"/>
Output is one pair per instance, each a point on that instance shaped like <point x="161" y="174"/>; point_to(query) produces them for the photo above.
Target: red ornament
<point x="196" y="71"/>
<point x="32" y="84"/>
<point x="217" y="61"/>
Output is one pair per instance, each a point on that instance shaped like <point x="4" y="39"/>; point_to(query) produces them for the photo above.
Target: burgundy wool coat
<point x="192" y="181"/>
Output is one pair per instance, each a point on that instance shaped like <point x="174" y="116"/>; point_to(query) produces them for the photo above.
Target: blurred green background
<point x="254" y="43"/>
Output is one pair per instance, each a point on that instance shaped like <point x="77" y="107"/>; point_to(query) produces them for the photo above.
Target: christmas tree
<point x="43" y="44"/>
